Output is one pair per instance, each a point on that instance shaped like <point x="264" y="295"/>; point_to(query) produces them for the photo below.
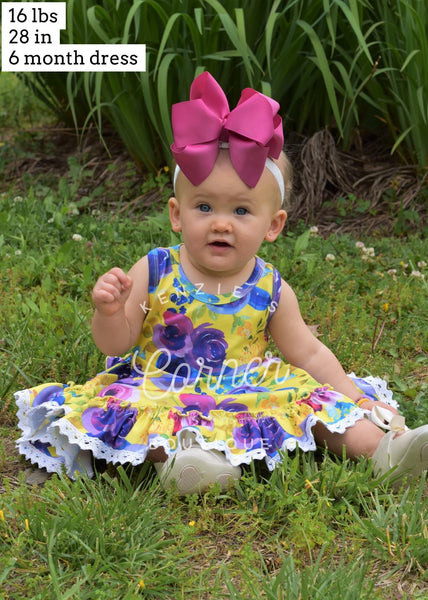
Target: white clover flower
<point x="392" y="272"/>
<point x="51" y="220"/>
<point x="369" y="251"/>
<point x="416" y="274"/>
<point x="330" y="257"/>
<point x="314" y="231"/>
<point x="359" y="245"/>
<point x="77" y="237"/>
<point x="18" y="252"/>
<point x="17" y="199"/>
<point x="422" y="264"/>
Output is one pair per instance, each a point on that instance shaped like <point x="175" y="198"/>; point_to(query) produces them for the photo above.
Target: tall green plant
<point x="403" y="90"/>
<point x="318" y="59"/>
<point x="241" y="44"/>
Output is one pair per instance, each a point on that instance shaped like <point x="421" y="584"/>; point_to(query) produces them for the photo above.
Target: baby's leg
<point x="361" y="439"/>
<point x="405" y="450"/>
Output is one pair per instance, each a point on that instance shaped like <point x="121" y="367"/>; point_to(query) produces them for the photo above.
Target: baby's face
<point x="223" y="221"/>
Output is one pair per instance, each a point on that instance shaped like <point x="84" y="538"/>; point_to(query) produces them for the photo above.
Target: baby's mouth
<point x="220" y="244"/>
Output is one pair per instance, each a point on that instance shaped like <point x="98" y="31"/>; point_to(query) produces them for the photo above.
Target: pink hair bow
<point x="253" y="131"/>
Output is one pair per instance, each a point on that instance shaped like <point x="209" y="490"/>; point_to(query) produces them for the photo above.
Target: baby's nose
<point x="221" y="224"/>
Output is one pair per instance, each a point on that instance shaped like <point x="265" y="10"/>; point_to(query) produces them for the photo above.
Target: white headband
<point x="270" y="165"/>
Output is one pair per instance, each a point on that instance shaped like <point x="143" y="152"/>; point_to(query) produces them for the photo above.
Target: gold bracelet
<point x="361" y="400"/>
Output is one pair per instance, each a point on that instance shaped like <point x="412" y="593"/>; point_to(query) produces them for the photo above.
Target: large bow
<point x="253" y="131"/>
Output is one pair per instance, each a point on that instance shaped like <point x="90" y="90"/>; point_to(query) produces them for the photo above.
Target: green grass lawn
<point x="316" y="528"/>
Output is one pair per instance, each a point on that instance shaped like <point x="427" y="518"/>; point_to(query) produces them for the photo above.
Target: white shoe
<point x="407" y="452"/>
<point x="36" y="476"/>
<point x="194" y="469"/>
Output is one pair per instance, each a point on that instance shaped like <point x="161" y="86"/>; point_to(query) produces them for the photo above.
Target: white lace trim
<point x="380" y="387"/>
<point x="36" y="457"/>
<point x="42" y="428"/>
<point x="75" y="448"/>
<point x="289" y="445"/>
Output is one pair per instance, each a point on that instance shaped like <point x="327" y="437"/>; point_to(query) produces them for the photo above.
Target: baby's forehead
<point x="223" y="157"/>
<point x="214" y="188"/>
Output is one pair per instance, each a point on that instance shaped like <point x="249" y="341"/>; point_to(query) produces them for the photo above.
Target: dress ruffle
<point x="51" y="440"/>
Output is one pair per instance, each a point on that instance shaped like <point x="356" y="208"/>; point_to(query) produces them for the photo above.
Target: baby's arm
<point x="302" y="349"/>
<point x="118" y="316"/>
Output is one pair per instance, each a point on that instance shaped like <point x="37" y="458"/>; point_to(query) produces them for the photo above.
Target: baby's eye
<point x="241" y="211"/>
<point x="204" y="208"/>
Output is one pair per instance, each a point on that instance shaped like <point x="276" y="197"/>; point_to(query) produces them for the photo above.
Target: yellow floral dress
<point x="201" y="363"/>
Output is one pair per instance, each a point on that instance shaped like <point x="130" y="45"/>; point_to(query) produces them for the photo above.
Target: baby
<point x="196" y="390"/>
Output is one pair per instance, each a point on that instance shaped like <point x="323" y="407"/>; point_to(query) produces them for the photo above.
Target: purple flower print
<point x="230" y="405"/>
<point x="365" y="387"/>
<point x="209" y="344"/>
<point x="203" y="347"/>
<point x="248" y="436"/>
<point x="265" y="432"/>
<point x="110" y="424"/>
<point x="48" y="394"/>
<point x="204" y="404"/>
<point x="159" y="266"/>
<point x="199" y="402"/>
<point x="112" y="361"/>
<point x="121" y="391"/>
<point x="179" y="297"/>
<point x="273" y="434"/>
<point x="320" y="397"/>
<point x="175" y="335"/>
<point x="42" y="447"/>
<point x="191" y="419"/>
<point x="121" y="367"/>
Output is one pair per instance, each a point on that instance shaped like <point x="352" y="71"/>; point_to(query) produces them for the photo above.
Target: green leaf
<point x="322" y="63"/>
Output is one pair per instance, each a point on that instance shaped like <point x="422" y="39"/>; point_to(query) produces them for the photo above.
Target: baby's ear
<point x="276" y="225"/>
<point x="174" y="214"/>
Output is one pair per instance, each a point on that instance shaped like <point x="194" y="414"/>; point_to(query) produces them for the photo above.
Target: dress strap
<point x="159" y="266"/>
<point x="276" y="291"/>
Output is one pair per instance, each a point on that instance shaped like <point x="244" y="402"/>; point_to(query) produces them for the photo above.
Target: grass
<point x="317" y="527"/>
<point x="274" y="536"/>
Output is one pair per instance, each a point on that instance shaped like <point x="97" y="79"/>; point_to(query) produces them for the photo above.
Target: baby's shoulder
<point x="140" y="269"/>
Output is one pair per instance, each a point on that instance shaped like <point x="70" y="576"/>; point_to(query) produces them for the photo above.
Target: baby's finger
<point x="107" y="289"/>
<point x="105" y="293"/>
<point x="104" y="296"/>
<point x="122" y="277"/>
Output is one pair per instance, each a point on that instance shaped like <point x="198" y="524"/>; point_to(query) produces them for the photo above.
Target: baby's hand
<point x="111" y="291"/>
<point x="370" y="404"/>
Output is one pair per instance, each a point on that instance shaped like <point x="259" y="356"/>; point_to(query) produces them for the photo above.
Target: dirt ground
<point x="364" y="189"/>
